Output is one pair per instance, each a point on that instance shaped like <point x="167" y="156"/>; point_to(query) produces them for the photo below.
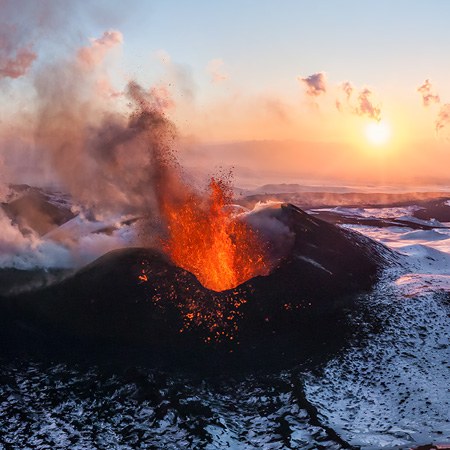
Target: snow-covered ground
<point x="392" y="390"/>
<point x="381" y="213"/>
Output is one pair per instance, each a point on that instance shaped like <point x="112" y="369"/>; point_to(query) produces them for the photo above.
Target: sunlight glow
<point x="378" y="133"/>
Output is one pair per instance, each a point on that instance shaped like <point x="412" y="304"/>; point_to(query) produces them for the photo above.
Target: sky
<point x="259" y="85"/>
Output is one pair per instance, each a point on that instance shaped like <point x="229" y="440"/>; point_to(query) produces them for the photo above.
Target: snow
<point x="391" y="390"/>
<point x="371" y="213"/>
<point x="313" y="262"/>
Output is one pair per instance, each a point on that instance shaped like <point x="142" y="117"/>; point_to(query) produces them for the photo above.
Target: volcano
<point x="139" y="299"/>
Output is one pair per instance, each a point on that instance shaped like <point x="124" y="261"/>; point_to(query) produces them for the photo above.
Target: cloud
<point x="347" y="88"/>
<point x="366" y="107"/>
<point x="358" y="102"/>
<point x="24" y="26"/>
<point x="92" y="56"/>
<point x="315" y="84"/>
<point x="16" y="64"/>
<point x="16" y="56"/>
<point x="215" y="68"/>
<point x="428" y="97"/>
<point x="443" y="118"/>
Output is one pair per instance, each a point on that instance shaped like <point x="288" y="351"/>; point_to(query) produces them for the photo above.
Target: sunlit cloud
<point x="358" y="102"/>
<point x="315" y="84"/>
<point x="428" y="96"/>
<point x="93" y="55"/>
<point x="443" y="118"/>
<point x="16" y="57"/>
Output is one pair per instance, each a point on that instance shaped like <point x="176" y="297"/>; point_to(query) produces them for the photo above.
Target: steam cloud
<point x="428" y="97"/>
<point x="358" y="102"/>
<point x="443" y="118"/>
<point x="16" y="57"/>
<point x="265" y="217"/>
<point x="315" y="84"/>
<point x="17" y="65"/>
<point x="92" y="56"/>
<point x="25" y="24"/>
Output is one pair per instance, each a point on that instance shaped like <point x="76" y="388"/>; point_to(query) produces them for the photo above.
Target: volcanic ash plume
<point x="118" y="162"/>
<point x="109" y="161"/>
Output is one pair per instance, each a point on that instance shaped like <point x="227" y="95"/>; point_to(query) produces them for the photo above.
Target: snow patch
<point x="313" y="262"/>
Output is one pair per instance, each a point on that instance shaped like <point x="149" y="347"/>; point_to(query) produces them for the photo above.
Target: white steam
<point x="26" y="250"/>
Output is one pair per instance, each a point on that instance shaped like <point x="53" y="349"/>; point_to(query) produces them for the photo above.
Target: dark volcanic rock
<point x="299" y="307"/>
<point x="437" y="209"/>
<point x="34" y="210"/>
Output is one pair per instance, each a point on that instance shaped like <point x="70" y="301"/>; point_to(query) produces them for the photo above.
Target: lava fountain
<point x="206" y="238"/>
<point x="201" y="232"/>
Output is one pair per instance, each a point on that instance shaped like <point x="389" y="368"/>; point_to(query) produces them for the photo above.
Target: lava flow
<point x="206" y="238"/>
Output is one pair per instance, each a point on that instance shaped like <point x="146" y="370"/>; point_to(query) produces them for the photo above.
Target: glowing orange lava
<point x="207" y="239"/>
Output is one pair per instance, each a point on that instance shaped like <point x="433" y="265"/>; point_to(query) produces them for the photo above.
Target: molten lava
<point x="207" y="239"/>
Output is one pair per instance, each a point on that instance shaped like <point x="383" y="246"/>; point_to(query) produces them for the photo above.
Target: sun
<point x="378" y="133"/>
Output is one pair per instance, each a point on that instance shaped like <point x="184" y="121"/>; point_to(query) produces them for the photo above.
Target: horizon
<point x="339" y="91"/>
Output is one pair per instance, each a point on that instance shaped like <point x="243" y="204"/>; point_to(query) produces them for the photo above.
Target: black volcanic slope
<point x="299" y="307"/>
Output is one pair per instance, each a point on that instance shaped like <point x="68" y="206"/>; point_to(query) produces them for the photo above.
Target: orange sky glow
<point x="282" y="106"/>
